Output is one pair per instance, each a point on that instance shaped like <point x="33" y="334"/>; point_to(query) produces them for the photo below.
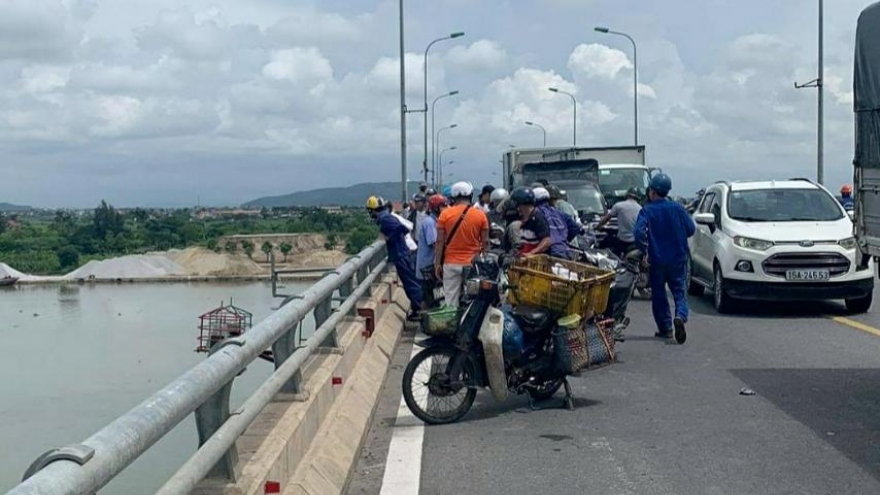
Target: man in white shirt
<point x="483" y="203"/>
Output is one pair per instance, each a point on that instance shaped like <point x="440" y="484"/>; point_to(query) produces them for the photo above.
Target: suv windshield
<point x="783" y="205"/>
<point x="586" y="200"/>
<point x="616" y="181"/>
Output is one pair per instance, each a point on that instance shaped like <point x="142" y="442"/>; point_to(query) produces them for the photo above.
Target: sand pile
<point x="128" y="267"/>
<point x="204" y="262"/>
<point x="317" y="259"/>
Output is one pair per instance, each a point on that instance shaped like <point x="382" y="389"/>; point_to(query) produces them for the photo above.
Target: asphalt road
<point x="670" y="419"/>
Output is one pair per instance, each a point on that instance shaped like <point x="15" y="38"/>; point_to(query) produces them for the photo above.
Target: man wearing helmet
<point x="395" y="232"/>
<point x="626" y="213"/>
<point x="846" y="198"/>
<point x="496" y="214"/>
<point x="462" y="234"/>
<point x="485" y="198"/>
<point x="534" y="232"/>
<point x="662" y="231"/>
<point x="563" y="228"/>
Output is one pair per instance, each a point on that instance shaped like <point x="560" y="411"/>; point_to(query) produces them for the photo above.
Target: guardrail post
<point x="210" y="416"/>
<point x="346" y="290"/>
<point x="322" y="312"/>
<point x="282" y="349"/>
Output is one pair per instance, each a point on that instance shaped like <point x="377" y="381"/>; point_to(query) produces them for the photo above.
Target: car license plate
<point x="807" y="275"/>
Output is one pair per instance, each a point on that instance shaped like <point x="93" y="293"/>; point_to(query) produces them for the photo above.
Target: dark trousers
<point x="671" y="275"/>
<point x="412" y="287"/>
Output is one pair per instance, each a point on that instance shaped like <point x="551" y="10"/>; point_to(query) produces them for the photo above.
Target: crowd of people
<point x="437" y="235"/>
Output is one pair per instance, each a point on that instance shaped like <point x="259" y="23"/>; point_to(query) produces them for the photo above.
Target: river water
<point x="73" y="360"/>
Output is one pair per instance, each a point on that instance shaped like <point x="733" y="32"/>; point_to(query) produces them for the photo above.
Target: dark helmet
<point x="555" y="192"/>
<point x="661" y="184"/>
<point x="523" y="196"/>
<point x="634" y="192"/>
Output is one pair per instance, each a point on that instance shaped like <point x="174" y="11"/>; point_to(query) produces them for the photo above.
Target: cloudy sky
<point x="165" y="102"/>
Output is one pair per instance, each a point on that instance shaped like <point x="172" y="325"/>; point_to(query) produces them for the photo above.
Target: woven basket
<point x="533" y="282"/>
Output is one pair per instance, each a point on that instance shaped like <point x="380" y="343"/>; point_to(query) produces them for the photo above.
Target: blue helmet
<point x="661" y="184"/>
<point x="446" y="191"/>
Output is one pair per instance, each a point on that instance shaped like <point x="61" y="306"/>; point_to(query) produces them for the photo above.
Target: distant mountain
<point x="12" y="207"/>
<point x="355" y="195"/>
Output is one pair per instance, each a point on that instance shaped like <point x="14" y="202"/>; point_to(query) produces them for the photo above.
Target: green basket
<point x="441" y="321"/>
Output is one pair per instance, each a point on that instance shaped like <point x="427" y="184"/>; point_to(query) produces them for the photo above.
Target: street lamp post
<point x="433" y="147"/>
<point x="437" y="140"/>
<point x="440" y="162"/>
<point x="575" y="103"/>
<point x="539" y="126"/>
<point x="818" y="83"/>
<point x="402" y="111"/>
<point x="635" y="77"/>
<point x="425" y="64"/>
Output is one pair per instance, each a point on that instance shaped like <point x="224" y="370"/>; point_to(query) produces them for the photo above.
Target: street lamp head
<point x="453" y="148"/>
<point x="512" y="145"/>
<point x="529" y="123"/>
<point x="453" y="126"/>
<point x="555" y="90"/>
<point x="453" y="93"/>
<point x="456" y="35"/>
<point x="601" y="29"/>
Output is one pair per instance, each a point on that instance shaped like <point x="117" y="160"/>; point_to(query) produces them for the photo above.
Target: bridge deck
<point x="669" y="419"/>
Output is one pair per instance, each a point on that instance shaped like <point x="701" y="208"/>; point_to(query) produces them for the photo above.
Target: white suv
<point x="776" y="240"/>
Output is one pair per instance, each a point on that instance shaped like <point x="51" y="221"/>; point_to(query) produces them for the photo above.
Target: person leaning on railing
<point x="395" y="232"/>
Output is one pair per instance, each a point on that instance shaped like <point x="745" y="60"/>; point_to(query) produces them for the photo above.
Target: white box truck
<point x="866" y="161"/>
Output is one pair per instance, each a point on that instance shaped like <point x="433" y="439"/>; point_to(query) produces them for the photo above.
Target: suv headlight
<point x="849" y="243"/>
<point x="755" y="244"/>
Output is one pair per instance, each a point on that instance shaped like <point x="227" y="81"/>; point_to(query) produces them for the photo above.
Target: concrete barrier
<point x="308" y="444"/>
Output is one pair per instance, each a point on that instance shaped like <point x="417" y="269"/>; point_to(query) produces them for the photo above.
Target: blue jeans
<point x="411" y="285"/>
<point x="672" y="275"/>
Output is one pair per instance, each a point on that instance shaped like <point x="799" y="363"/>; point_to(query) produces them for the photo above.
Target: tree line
<point x="67" y="239"/>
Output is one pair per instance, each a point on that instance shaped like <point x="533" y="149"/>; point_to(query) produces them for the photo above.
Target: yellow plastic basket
<point x="577" y="289"/>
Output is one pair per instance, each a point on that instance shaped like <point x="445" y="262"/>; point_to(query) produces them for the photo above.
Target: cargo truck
<point x="866" y="103"/>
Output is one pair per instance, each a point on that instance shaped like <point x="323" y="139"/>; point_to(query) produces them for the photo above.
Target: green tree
<point x="231" y="247"/>
<point x="248" y="248"/>
<point x="285" y="250"/>
<point x="267" y="249"/>
<point x="331" y="242"/>
<point x="107" y="220"/>
<point x="68" y="256"/>
<point x="2" y="222"/>
<point x="212" y="244"/>
<point x="359" y="239"/>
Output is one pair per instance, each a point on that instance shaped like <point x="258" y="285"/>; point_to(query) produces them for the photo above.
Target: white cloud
<point x="598" y="61"/>
<point x="37" y="30"/>
<point x="480" y="55"/>
<point x="299" y="65"/>
<point x="310" y="26"/>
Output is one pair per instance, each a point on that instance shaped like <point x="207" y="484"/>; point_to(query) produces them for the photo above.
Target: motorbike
<point x="643" y="282"/>
<point x="627" y="273"/>
<point x="440" y="383"/>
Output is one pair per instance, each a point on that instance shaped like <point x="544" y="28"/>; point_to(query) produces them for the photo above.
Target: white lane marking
<point x="403" y="467"/>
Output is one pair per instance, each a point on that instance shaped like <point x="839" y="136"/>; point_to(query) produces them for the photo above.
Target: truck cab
<point x="615" y="179"/>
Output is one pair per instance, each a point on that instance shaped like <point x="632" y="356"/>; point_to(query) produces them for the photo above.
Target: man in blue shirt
<point x="846" y="198"/>
<point x="395" y="233"/>
<point x="662" y="231"/>
<point x="427" y="238"/>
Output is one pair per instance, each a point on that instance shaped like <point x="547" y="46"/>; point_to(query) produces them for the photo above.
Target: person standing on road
<point x="427" y="240"/>
<point x="626" y="212"/>
<point x="462" y="233"/>
<point x="846" y="198"/>
<point x="485" y="198"/>
<point x="394" y="232"/>
<point x="662" y="231"/>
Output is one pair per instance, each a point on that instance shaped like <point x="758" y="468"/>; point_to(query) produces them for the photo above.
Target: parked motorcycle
<point x="440" y="383"/>
<point x="627" y="273"/>
<point x="643" y="282"/>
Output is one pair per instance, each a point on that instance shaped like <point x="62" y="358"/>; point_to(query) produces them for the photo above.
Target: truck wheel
<point x="859" y="305"/>
<point x="694" y="288"/>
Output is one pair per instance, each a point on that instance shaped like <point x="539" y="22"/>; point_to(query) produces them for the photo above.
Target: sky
<point x="217" y="102"/>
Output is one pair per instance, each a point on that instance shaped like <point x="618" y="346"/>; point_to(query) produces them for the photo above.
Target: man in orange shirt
<point x="462" y="234"/>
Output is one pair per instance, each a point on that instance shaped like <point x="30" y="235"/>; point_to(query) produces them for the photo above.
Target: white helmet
<point x="462" y="190"/>
<point x="498" y="195"/>
<point x="541" y="194"/>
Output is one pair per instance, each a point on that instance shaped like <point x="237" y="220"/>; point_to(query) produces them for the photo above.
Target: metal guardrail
<point x="205" y="389"/>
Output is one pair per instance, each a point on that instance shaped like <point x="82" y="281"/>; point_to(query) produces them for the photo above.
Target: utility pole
<point x="402" y="112"/>
<point x="818" y="83"/>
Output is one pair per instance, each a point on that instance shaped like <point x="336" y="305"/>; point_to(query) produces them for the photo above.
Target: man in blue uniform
<point x="662" y="231"/>
<point x="395" y="233"/>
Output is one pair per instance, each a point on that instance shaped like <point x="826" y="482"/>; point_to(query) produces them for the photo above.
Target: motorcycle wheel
<point x="431" y="394"/>
<point x="546" y="390"/>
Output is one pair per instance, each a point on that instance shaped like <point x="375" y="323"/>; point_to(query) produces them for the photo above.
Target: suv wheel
<point x="859" y="304"/>
<point x="723" y="302"/>
<point x="694" y="288"/>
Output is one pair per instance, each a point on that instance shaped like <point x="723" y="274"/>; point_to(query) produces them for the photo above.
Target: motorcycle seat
<point x="533" y="318"/>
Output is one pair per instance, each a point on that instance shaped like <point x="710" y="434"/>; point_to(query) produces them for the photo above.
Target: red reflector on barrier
<point x="272" y="487"/>
<point x="337" y="380"/>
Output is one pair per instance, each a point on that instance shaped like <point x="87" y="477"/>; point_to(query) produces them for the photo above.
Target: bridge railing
<point x="204" y="390"/>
